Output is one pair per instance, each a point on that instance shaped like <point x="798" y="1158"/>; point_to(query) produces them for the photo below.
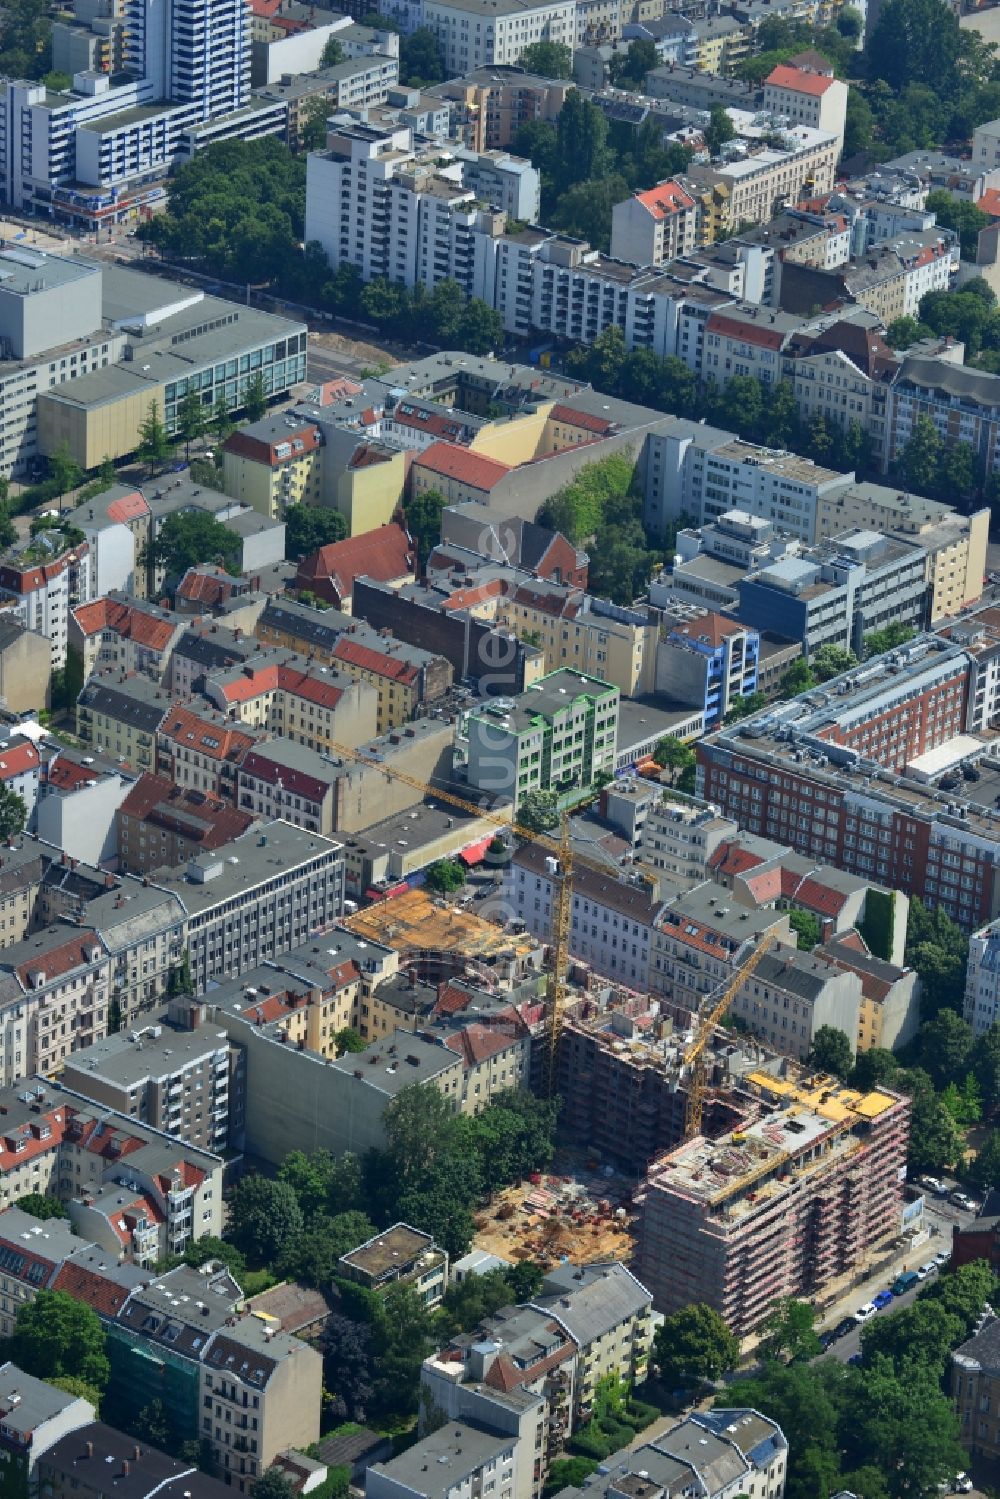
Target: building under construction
<point x="622" y="1083"/>
<point x="779" y="1208"/>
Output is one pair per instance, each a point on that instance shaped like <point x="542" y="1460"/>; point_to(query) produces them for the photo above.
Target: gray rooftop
<point x="441" y="1463"/>
<point x="150" y="1054"/>
<point x="23" y="271"/>
<point x="27" y="1403"/>
<point x="391" y="1064"/>
<point x="590" y="1300"/>
<point x="260" y="854"/>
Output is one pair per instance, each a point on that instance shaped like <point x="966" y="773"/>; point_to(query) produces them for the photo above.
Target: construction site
<point x="581" y="1216"/>
<point x="436" y="940"/>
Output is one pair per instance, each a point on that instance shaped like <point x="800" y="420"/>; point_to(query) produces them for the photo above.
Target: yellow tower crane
<point x="694" y="1057"/>
<point x="564" y="857"/>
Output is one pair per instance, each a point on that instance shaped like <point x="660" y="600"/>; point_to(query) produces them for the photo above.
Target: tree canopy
<point x="57" y="1336"/>
<point x="191" y="536"/>
<point x="694" y="1345"/>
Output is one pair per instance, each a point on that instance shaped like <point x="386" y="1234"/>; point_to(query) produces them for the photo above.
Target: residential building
<point x="982" y="979"/>
<point x="608" y="1314"/>
<point x="291" y="697"/>
<point x="611" y="928"/>
<point x="20" y="769"/>
<point x="32" y="1251"/>
<point x="85" y="1460"/>
<point x="217" y="1371"/>
<point x="700" y="940"/>
<point x="457" y="1460"/>
<point x="791" y="995"/>
<point x="177" y="1082"/>
<point x="889" y="1013"/>
<point x="357" y="83"/>
<point x="839" y="591"/>
<point x="25" y="666"/>
<point x="756" y="184"/>
<point x="798" y="1200"/>
<point x="253" y="899"/>
<point x="889" y="281"/>
<point x="160" y="825"/>
<point x="115" y="524"/>
<point x="807" y="95"/>
<point x="41" y="579"/>
<point x="119" y="713"/>
<point x="558" y="734"/>
<point x="57" y="984"/>
<point x="35" y="1416"/>
<point x="475" y="34"/>
<point x="975" y="1372"/>
<point x="62" y="1144"/>
<point x="963" y="404"/>
<point x="654" y="226"/>
<point x="124" y="634"/>
<point x="577" y="631"/>
<point x="273" y="463"/>
<point x="386" y="554"/>
<point x="198" y="747"/>
<point x="677" y="837"/>
<point x="906" y="706"/>
<point x="140" y="925"/>
<point x="488" y="106"/>
<point x="399" y="1256"/>
<point x="719" y="1452"/>
<point x="708" y="662"/>
<point x="986" y="145"/>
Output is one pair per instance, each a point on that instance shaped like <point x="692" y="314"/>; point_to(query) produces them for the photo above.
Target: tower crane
<point x="694" y="1057"/>
<point x="564" y="857"/>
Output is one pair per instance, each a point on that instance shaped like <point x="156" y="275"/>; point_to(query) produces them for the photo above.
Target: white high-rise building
<point x="192" y="51"/>
<point x="982" y="978"/>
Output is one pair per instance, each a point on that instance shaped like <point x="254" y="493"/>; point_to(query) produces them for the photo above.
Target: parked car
<point x="934" y="1184"/>
<point x="843" y="1327"/>
<point x="963" y="1483"/>
<point x="881" y="1299"/>
<point x="924" y="1270"/>
<point x="905" y="1282"/>
<point x="963" y="1200"/>
<point x="864" y="1312"/>
<point x="827" y="1339"/>
<point x="942" y="1257"/>
<point x="855" y="1359"/>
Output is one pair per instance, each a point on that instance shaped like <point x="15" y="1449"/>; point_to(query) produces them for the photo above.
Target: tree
<point x="348" y="1366"/>
<point x="538" y="811"/>
<point x="421" y="60"/>
<point x="790" y="1331"/>
<point x="938" y="949"/>
<point x="222" y="422"/>
<point x="347" y="1039"/>
<point x="422" y="513"/>
<point x="674" y="755"/>
<point x="877" y="642"/>
<point x="831" y="661"/>
<point x="312" y="123"/>
<point x="56" y="1335"/>
<point x="480" y="327"/>
<point x="569" y="1473"/>
<point x="935" y="1142"/>
<point x="831" y="1051"/>
<point x="13" y="813"/>
<point x="582" y="153"/>
<point x="154" y="446"/>
<point x="985" y="1059"/>
<point x="312" y="1257"/>
<point x="254" y="396"/>
<point x="273" y="1483"/>
<point x="547" y="60"/>
<point x="628" y="69"/>
<point x="743" y="707"/>
<point x="920" y="456"/>
<point x="200" y="1251"/>
<point x="806" y="927"/>
<point x="332" y="54"/>
<point x="309" y="527"/>
<point x="964" y="217"/>
<point x="264" y="1218"/>
<point x="585" y="210"/>
<point x="71" y="1385"/>
<point x="797" y="679"/>
<point x="445" y="876"/>
<point x="693" y="1345"/>
<point x="188" y="537"/>
<point x="192" y="420"/>
<point x="915" y="41"/>
<point x="906" y="1427"/>
<point x="40" y="1206"/>
<point x="322" y="1183"/>
<point x="984" y="1172"/>
<point x="719" y="129"/>
<point x="153" y="1425"/>
<point x="875" y="1066"/>
<point x="904" y="331"/>
<point x="417" y="1125"/>
<point x="8" y="530"/>
<point x="944" y="1047"/>
<point x="66" y="473"/>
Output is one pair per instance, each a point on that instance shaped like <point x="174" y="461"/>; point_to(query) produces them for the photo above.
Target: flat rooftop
<point x="24" y="270"/>
<point x="155" y="1051"/>
<point x="391" y="1250"/>
<point x="415" y="920"/>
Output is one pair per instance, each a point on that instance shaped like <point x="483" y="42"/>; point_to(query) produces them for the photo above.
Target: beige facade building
<point x="758" y="183"/>
<point x="25" y="666"/>
<point x="583" y="633"/>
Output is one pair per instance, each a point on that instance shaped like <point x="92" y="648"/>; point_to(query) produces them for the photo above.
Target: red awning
<point x="474" y="854"/>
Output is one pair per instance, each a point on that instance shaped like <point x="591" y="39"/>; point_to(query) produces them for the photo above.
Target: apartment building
<point x="838" y="591"/>
<point x="477" y="34"/>
<point x="82" y="1462"/>
<point x="457" y="1460"/>
<point x="700" y="940"/>
<point x="225" y="1376"/>
<point x="255" y="898"/>
<point x="790" y="996"/>
<point x="200" y="749"/>
<point x="962" y="404"/>
<point x="979" y="636"/>
<point x="708" y="662"/>
<point x="35" y="1416"/>
<point x="405" y="676"/>
<point x="720" y="1452"/>
<point x="807" y="96"/>
<point x="177" y="1082"/>
<point x="160" y="825"/>
<point x="982" y="979"/>
<point x="289" y="697"/>
<point x="558" y="734"/>
<point x="20" y="769"/>
<point x="58" y="984"/>
<point x="31" y="1252"/>
<point x="986" y="145"/>
<point x="579" y="632"/>
<point x="41" y="580"/>
<point x="401" y="1255"/>
<point x="678" y="838"/>
<point x="889" y="1012"/>
<point x="119" y="633"/>
<point x="611" y="928"/>
<point x="69" y="1147"/>
<point x="890" y="280"/>
<point x="386" y="554"/>
<point x="488" y="108"/>
<point x="119" y="713"/>
<point x="737" y="1223"/>
<point x="894" y="828"/>
<point x="654" y="226"/>
<point x="758" y="183"/>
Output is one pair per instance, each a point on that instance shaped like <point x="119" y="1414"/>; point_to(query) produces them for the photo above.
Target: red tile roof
<point x="69" y="775"/>
<point x="209" y="737"/>
<point x="476" y="1043"/>
<point x="711" y="629"/>
<point x="467" y="598"/>
<point x="820" y="898"/>
<point x="352" y="653"/>
<point x="255" y="448"/>
<point x="207" y="585"/>
<point x="585" y="420"/>
<point x="257" y="680"/>
<point x="18" y="759"/>
<point x="104" y="1296"/>
<point x="131" y="623"/>
<point x="766" y="886"/>
<point x="128" y="507"/>
<point x="990" y="202"/>
<point x="733" y="858"/>
<point x="55" y="962"/>
<point x="259" y="765"/>
<point x="796" y="78"/>
<point x="748" y="331"/>
<point x="465" y="467"/>
<point x="666" y="199"/>
<point x="198" y="816"/>
<point x="386" y="554"/>
<point x="29" y="1136"/>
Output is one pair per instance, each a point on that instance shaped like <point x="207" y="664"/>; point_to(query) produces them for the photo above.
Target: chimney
<point x="137" y="1452"/>
<point x="126" y="1470"/>
<point x="90" y="1449"/>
